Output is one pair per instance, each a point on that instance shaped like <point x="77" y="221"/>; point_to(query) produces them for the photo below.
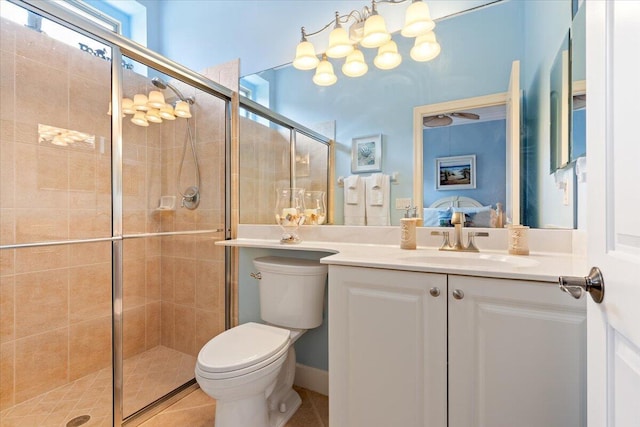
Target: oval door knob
<point x="458" y="294"/>
<point x="435" y="292"/>
<point x="576" y="286"/>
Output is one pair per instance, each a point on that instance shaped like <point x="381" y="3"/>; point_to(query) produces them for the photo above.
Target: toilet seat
<point x="242" y="350"/>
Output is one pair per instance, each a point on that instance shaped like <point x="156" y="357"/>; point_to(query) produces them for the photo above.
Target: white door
<point x="613" y="146"/>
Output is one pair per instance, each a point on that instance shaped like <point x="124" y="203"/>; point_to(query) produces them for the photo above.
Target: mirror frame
<point x="512" y="188"/>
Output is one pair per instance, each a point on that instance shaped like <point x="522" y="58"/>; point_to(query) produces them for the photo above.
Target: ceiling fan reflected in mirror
<point x="446" y="119"/>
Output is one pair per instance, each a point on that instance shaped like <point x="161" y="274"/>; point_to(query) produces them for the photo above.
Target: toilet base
<point x="290" y="404"/>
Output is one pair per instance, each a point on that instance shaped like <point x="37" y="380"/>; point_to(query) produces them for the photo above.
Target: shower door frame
<point x="120" y="47"/>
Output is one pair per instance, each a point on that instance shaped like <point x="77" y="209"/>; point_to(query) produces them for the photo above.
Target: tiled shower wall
<point x="265" y="165"/>
<point x="55" y="301"/>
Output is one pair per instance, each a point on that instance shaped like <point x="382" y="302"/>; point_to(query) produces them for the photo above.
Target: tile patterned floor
<point x="147" y="376"/>
<point x="199" y="410"/>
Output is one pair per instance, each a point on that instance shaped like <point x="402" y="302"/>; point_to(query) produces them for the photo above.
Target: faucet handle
<point x="445" y="239"/>
<point x="471" y="247"/>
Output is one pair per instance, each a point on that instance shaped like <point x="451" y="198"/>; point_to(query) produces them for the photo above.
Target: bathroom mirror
<point x="478" y="47"/>
<point x="578" y="138"/>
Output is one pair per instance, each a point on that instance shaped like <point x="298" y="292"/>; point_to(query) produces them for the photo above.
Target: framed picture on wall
<point x="366" y="154"/>
<point x="456" y="173"/>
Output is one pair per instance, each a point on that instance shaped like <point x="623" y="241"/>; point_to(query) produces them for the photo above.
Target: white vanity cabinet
<point x="513" y="353"/>
<point x="387" y="348"/>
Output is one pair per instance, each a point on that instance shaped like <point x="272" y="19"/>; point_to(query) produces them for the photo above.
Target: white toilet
<point x="249" y="369"/>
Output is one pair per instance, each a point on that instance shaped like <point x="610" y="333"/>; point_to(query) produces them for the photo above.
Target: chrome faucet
<point x="457" y="219"/>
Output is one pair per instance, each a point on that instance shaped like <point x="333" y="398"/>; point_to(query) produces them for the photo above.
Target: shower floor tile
<point x="147" y="377"/>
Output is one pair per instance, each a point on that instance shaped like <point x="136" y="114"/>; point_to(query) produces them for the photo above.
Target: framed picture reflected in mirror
<point x="366" y="154"/>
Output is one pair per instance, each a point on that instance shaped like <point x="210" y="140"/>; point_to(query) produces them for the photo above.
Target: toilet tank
<point x="291" y="291"/>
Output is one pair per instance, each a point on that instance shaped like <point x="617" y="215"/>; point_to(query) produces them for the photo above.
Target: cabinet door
<point x="387" y="348"/>
<point x="516" y="355"/>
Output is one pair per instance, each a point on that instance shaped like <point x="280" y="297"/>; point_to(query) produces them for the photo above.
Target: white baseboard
<point x="313" y="379"/>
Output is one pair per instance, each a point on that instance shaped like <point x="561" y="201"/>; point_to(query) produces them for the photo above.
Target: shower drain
<point x="78" y="421"/>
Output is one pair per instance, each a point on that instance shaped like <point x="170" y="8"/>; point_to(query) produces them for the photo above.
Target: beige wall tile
<point x="87" y="66"/>
<point x="8" y="35"/>
<point x="7" y="298"/>
<point x="82" y="171"/>
<point x="90" y="292"/>
<point x="208" y="325"/>
<point x="167" y="271"/>
<point x="43" y="49"/>
<point x="185" y="281"/>
<point x="154" y="324"/>
<point x="41" y="225"/>
<point x="7" y="226"/>
<point x="41" y="302"/>
<point x="7" y="261"/>
<point x="41" y="258"/>
<point x="7" y="85"/>
<point x="41" y="363"/>
<point x="89" y="253"/>
<point x="88" y="112"/>
<point x="185" y="329"/>
<point x="134" y="331"/>
<point x="41" y="183"/>
<point x="34" y="94"/>
<point x="7" y="175"/>
<point x="134" y="282"/>
<point x="208" y="278"/>
<point x="89" y="347"/>
<point x="89" y="223"/>
<point x="7" y="370"/>
<point x="153" y="279"/>
<point x="168" y="328"/>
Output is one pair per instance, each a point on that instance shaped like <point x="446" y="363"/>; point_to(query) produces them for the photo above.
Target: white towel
<point x="351" y="189"/>
<point x="375" y="197"/>
<point x="354" y="202"/>
<point x="378" y="214"/>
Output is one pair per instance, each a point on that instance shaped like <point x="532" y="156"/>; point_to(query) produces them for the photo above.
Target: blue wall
<point x="478" y="49"/>
<point x="487" y="140"/>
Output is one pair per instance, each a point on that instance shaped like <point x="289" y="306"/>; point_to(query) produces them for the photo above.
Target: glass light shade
<point x="306" y="58"/>
<point x="153" y="116"/>
<point x="140" y="102"/>
<point x="139" y="119"/>
<point x="166" y="112"/>
<point x="339" y="43"/>
<point x="355" y="66"/>
<point x="388" y="56"/>
<point x="127" y="106"/>
<point x="417" y="20"/>
<point x="109" y="112"/>
<point x="375" y="32"/>
<point x="324" y="74"/>
<point x="425" y="48"/>
<point x="182" y="110"/>
<point x="156" y="99"/>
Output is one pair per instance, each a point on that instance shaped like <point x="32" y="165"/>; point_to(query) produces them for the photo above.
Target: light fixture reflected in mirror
<point x="182" y="110"/>
<point x="139" y="119"/>
<point x="417" y="20"/>
<point x="153" y="115"/>
<point x="324" y="75"/>
<point x="370" y="31"/>
<point x="425" y="48"/>
<point x="156" y="99"/>
<point x="127" y="106"/>
<point x="140" y="102"/>
<point x="388" y="56"/>
<point x="355" y="66"/>
<point x="167" y="113"/>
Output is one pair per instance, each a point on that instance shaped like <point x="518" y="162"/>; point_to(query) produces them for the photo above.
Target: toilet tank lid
<point x="286" y="265"/>
<point x="242" y="346"/>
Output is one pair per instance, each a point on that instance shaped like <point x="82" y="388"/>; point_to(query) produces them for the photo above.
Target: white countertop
<point x="538" y="266"/>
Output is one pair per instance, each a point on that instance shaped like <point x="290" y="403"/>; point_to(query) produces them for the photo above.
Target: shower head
<point x="162" y="84"/>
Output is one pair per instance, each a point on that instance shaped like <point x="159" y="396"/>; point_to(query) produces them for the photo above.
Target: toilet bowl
<point x="250" y="369"/>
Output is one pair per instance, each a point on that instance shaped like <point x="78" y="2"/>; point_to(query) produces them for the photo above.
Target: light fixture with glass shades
<point x="153" y="108"/>
<point x="369" y="31"/>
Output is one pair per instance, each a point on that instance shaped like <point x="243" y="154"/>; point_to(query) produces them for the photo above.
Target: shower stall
<point x="110" y="207"/>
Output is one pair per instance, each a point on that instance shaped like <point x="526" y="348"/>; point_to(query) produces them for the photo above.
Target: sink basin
<point x="474" y="260"/>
